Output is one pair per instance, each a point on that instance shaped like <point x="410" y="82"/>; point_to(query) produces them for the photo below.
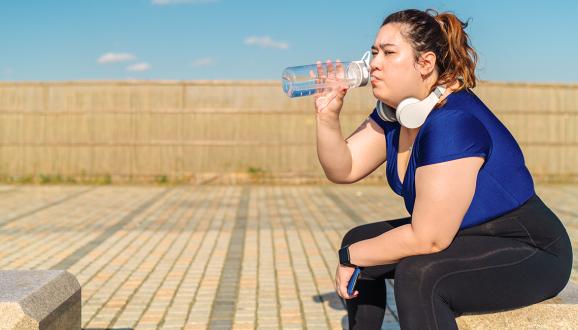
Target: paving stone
<point x="164" y="257"/>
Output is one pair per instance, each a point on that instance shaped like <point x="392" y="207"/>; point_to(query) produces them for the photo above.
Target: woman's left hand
<point x="342" y="276"/>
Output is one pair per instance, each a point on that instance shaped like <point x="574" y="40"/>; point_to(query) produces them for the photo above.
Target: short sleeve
<point x="452" y="135"/>
<point x="385" y="125"/>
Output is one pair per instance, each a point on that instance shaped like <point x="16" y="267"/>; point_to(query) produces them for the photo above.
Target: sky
<point x="63" y="40"/>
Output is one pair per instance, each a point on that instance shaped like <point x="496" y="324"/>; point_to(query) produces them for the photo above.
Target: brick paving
<point x="197" y="257"/>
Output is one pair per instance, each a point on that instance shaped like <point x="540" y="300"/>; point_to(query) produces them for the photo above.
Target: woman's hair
<point x="444" y="35"/>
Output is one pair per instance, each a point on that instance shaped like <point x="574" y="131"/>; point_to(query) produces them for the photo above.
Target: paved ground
<point x="238" y="257"/>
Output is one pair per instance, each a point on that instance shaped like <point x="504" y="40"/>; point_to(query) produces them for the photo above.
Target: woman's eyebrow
<point x="382" y="46"/>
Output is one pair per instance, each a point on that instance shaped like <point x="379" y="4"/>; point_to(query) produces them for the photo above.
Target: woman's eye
<point x="386" y="53"/>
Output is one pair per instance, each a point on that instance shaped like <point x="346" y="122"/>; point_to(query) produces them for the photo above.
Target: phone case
<point x="353" y="281"/>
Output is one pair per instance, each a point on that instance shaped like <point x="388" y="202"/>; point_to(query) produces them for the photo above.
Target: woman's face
<point x="394" y="73"/>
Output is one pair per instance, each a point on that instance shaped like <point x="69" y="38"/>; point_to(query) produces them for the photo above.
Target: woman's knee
<point x="415" y="271"/>
<point x="352" y="236"/>
<point x="365" y="231"/>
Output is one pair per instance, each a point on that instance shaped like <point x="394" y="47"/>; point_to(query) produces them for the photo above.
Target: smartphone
<point x="353" y="281"/>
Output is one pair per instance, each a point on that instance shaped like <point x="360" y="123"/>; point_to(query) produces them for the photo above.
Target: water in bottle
<point x="305" y="79"/>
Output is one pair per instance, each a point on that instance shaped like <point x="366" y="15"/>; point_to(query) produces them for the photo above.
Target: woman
<point x="479" y="239"/>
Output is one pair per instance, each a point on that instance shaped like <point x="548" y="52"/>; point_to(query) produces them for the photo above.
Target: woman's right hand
<point x="330" y="99"/>
<point x="342" y="277"/>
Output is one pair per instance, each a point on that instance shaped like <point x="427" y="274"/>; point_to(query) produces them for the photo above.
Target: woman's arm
<point x="444" y="192"/>
<point x="352" y="159"/>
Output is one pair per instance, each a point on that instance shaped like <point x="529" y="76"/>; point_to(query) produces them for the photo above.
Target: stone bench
<point x="39" y="299"/>
<point x="560" y="312"/>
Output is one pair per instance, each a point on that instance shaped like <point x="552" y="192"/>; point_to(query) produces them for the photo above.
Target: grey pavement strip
<point x="358" y="219"/>
<point x="44" y="207"/>
<point x="391" y="299"/>
<point x="182" y="203"/>
<point x="346" y="209"/>
<point x="85" y="249"/>
<point x="201" y="210"/>
<point x="224" y="305"/>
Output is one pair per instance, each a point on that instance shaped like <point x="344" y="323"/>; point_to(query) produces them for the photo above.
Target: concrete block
<point x="560" y="312"/>
<point x="39" y="299"/>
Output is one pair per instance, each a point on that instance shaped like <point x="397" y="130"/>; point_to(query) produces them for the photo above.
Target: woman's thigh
<point x="370" y="230"/>
<point x="482" y="274"/>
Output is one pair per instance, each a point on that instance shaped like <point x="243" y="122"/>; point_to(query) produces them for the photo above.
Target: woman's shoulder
<point x="451" y="133"/>
<point x="452" y="119"/>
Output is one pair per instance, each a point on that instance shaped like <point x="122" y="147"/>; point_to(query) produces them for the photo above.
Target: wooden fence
<point x="230" y="131"/>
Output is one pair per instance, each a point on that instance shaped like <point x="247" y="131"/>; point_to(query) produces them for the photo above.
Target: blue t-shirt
<point x="464" y="127"/>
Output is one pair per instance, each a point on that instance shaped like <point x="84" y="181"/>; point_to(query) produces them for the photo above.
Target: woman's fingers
<point x="320" y="71"/>
<point x="332" y="75"/>
<point x="336" y="74"/>
<point x="330" y="70"/>
<point x="341" y="282"/>
<point x="319" y="68"/>
<point x="320" y="76"/>
<point x="345" y="295"/>
<point x="340" y="72"/>
<point x="313" y="75"/>
<point x="329" y="94"/>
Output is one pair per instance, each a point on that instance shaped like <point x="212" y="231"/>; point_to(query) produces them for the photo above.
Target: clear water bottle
<point x="304" y="80"/>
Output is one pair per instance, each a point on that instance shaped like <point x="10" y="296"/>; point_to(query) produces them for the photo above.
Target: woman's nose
<point x="374" y="65"/>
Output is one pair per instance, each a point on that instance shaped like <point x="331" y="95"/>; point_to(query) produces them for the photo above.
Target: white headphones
<point x="411" y="112"/>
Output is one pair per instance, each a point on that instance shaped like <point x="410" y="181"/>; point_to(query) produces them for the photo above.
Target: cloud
<point x="115" y="58"/>
<point x="205" y="61"/>
<point x="266" y="42"/>
<point x="111" y="57"/>
<point x="178" y="2"/>
<point x="138" y="67"/>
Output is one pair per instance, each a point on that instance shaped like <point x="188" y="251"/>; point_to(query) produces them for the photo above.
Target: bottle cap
<point x="358" y="71"/>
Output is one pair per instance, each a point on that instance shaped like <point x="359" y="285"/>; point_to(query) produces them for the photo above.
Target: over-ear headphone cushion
<point x="385" y="112"/>
<point x="399" y="112"/>
<point x="407" y="101"/>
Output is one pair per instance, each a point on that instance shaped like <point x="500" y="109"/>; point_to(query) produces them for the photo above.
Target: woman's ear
<point x="426" y="63"/>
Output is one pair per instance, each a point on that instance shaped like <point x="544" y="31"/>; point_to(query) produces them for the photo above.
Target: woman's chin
<point x="378" y="93"/>
<point x="377" y="88"/>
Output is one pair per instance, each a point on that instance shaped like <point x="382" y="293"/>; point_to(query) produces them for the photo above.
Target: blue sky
<point x="245" y="39"/>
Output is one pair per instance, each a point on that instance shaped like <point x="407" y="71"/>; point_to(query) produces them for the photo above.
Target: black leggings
<point x="517" y="259"/>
